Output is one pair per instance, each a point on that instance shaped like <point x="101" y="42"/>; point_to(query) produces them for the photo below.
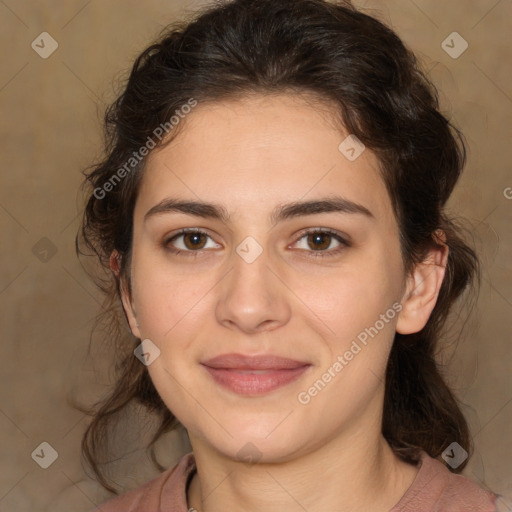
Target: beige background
<point x="51" y="129"/>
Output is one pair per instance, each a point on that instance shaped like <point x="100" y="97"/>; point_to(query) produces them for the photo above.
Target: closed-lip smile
<point x="254" y="375"/>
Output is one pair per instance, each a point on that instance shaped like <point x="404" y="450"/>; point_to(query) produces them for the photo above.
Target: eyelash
<point x="314" y="254"/>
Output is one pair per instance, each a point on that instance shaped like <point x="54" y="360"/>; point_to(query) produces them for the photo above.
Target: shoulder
<point x="437" y="489"/>
<point x="165" y="493"/>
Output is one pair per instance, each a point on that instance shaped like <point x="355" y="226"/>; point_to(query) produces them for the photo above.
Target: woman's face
<point x="258" y="285"/>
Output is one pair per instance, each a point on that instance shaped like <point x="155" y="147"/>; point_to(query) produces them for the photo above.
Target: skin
<point x="250" y="155"/>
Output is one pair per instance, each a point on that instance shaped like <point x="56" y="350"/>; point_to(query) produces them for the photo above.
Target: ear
<point x="422" y="288"/>
<point x="126" y="299"/>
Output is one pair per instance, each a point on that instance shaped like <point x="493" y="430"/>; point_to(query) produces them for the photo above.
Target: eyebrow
<point x="280" y="213"/>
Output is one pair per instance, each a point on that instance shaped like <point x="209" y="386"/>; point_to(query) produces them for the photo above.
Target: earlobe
<point x="126" y="300"/>
<point x="129" y="310"/>
<point x="422" y="290"/>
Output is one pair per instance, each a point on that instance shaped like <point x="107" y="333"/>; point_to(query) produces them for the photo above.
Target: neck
<point x="346" y="474"/>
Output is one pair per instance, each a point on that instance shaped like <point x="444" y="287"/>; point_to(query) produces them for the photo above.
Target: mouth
<point x="254" y="375"/>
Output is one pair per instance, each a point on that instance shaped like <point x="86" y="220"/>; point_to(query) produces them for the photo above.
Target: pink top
<point x="434" y="489"/>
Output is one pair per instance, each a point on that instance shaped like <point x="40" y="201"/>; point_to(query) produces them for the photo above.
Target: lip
<point x="254" y="375"/>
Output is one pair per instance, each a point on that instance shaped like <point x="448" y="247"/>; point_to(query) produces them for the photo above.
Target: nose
<point x="253" y="297"/>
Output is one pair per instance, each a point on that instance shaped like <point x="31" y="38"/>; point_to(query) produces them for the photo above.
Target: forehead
<point x="253" y="153"/>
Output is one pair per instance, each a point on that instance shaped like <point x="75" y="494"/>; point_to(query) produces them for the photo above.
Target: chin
<point x="264" y="441"/>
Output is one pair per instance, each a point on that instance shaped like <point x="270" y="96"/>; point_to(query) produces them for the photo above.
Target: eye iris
<point x="195" y="237"/>
<point x="317" y="238"/>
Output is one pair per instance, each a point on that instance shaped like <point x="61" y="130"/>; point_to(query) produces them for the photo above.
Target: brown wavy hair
<point x="357" y="63"/>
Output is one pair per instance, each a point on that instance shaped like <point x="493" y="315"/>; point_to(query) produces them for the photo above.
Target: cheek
<point x="168" y="301"/>
<point x="352" y="297"/>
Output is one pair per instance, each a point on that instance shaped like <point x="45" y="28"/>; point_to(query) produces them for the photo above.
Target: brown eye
<point x="189" y="242"/>
<point x="193" y="240"/>
<point x="319" y="241"/>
